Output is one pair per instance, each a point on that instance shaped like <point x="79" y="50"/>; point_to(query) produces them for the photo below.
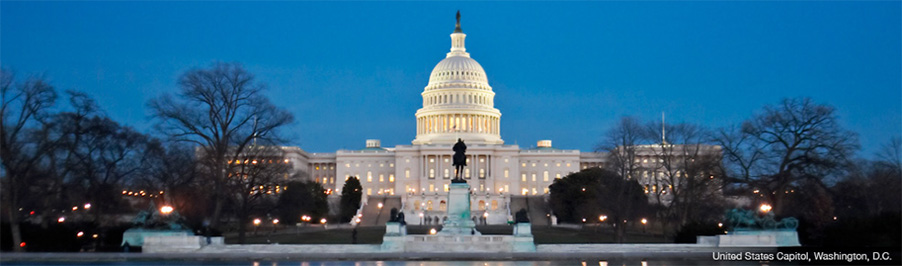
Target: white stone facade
<point x="458" y="103"/>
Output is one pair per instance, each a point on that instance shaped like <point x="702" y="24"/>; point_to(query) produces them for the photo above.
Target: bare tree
<point x="171" y="167"/>
<point x="23" y="146"/>
<point x="890" y="155"/>
<point x="101" y="156"/>
<point x="258" y="173"/>
<point x="621" y="144"/>
<point x="685" y="174"/>
<point x="793" y="141"/>
<point x="222" y="110"/>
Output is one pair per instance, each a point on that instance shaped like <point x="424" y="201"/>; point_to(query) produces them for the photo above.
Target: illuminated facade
<point x="458" y="103"/>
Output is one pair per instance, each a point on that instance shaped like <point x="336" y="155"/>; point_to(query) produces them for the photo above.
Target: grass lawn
<point x="373" y="235"/>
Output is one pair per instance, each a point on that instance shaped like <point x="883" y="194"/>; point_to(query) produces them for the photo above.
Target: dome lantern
<point x="458" y="101"/>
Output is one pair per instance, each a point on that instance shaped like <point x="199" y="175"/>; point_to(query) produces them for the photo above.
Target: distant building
<point x="458" y="103"/>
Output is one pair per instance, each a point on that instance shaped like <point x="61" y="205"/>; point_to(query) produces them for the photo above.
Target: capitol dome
<point x="458" y="101"/>
<point x="458" y="69"/>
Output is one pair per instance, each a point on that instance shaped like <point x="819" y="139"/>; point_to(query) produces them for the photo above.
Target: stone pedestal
<point x="459" y="222"/>
<point x="753" y="238"/>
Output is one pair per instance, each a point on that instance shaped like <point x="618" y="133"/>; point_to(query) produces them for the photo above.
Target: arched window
<point x="416" y="205"/>
<point x="481" y="205"/>
<point x="442" y="206"/>
<point x="429" y="205"/>
<point x="494" y="205"/>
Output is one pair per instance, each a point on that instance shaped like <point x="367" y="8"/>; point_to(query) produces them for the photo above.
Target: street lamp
<point x="256" y="225"/>
<point x="765" y="208"/>
<point x="87" y="206"/>
<point x="602" y="218"/>
<point x="166" y="209"/>
<point x="421" y="218"/>
<point x="644" y="224"/>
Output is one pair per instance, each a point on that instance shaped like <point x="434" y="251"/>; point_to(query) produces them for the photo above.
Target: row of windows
<point x="436" y="86"/>
<point x="442" y="206"/>
<point x="390" y="164"/>
<point x="448" y="173"/>
<point x="466" y="98"/>
<point x="369" y="177"/>
<point x="457" y="123"/>
<point x="545" y="177"/>
<point x="545" y="164"/>
<point x="381" y="191"/>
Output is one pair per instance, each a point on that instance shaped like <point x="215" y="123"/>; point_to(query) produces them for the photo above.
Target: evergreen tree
<point x="351" y="194"/>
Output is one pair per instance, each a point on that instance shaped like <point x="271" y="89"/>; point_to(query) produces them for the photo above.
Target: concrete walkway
<point x="678" y="255"/>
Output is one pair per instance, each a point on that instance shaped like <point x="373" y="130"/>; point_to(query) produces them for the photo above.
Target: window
<point x="446" y="188"/>
<point x="533" y="178"/>
<point x="523" y="177"/>
<point x="558" y="164"/>
<point x="391" y="165"/>
<point x="568" y="164"/>
<point x="407" y="173"/>
<point x="494" y="205"/>
<point x="442" y="206"/>
<point x="506" y="173"/>
<point x="429" y="205"/>
<point x="431" y="160"/>
<point x="507" y="188"/>
<point x="523" y="164"/>
<point x="431" y="173"/>
<point x="446" y="173"/>
<point x="347" y="165"/>
<point x="557" y="176"/>
<point x="481" y="205"/>
<point x="381" y="165"/>
<point x="467" y="172"/>
<point x="533" y="164"/>
<point x="481" y="160"/>
<point x="431" y="187"/>
<point x="381" y="177"/>
<point x="391" y="177"/>
<point x="369" y="176"/>
<point x="546" y="190"/>
<point x="545" y="176"/>
<point x="369" y="191"/>
<point x="446" y="160"/>
<point x="481" y="173"/>
<point x="416" y="205"/>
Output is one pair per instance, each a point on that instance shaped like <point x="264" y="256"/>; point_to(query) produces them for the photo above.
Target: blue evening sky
<point x="564" y="71"/>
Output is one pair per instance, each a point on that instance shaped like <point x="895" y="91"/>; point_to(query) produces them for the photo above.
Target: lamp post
<point x="166" y="209"/>
<point x="644" y="224"/>
<point x="256" y="225"/>
<point x="765" y="208"/>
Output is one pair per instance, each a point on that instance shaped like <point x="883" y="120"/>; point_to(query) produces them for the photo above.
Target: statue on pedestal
<point x="460" y="160"/>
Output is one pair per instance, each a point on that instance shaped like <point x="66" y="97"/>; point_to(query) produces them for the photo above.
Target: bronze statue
<point x="460" y="160"/>
<point x="457" y="26"/>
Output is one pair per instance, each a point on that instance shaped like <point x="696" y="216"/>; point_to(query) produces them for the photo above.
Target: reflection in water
<point x="617" y="262"/>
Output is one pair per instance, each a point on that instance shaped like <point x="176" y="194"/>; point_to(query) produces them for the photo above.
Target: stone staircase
<point x="535" y="206"/>
<point x="375" y="216"/>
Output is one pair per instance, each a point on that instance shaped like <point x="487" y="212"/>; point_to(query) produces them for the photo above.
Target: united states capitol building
<point x="458" y="103"/>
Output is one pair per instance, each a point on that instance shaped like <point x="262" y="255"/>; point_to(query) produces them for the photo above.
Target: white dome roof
<point x="458" y="69"/>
